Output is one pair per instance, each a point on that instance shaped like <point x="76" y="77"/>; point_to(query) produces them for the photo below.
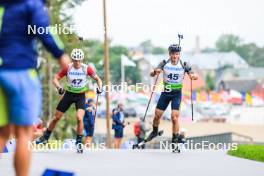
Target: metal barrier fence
<point x="224" y="139"/>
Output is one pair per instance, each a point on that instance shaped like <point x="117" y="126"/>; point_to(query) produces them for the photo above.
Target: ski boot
<point x="177" y="139"/>
<point x="155" y="132"/>
<point x="151" y="136"/>
<point x="44" y="139"/>
<point x="79" y="145"/>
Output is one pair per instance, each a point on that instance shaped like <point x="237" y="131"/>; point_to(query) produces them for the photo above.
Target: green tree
<point x="132" y="73"/>
<point x="158" y="50"/>
<point x="258" y="56"/>
<point x="210" y="85"/>
<point x="228" y="43"/>
<point x="253" y="54"/>
<point x="248" y="52"/>
<point x="96" y="55"/>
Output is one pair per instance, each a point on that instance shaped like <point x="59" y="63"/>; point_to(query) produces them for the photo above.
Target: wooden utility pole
<point x="106" y="75"/>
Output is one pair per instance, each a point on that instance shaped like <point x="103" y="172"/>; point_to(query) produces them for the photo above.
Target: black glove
<point x="187" y="67"/>
<point x="61" y="91"/>
<point x="98" y="91"/>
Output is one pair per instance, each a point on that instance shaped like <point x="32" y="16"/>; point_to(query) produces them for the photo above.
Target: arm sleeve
<point x="62" y="73"/>
<point x="90" y="71"/>
<point x="39" y="18"/>
<point x="161" y="65"/>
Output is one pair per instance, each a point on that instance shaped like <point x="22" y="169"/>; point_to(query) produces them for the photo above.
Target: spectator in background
<point x="88" y="121"/>
<point x="118" y="124"/>
<point x="140" y="131"/>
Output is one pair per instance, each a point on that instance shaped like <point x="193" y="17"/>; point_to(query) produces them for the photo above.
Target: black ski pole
<point x="180" y="37"/>
<point x="192" y="99"/>
<point x="80" y="39"/>
<point x="151" y="97"/>
<point x="96" y="106"/>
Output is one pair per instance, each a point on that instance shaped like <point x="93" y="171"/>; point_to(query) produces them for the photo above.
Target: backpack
<point x="137" y="128"/>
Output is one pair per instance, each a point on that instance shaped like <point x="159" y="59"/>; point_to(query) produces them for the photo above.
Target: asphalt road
<point x="138" y="162"/>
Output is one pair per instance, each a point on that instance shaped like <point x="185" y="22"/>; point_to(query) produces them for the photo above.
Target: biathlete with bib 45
<point x="173" y="71"/>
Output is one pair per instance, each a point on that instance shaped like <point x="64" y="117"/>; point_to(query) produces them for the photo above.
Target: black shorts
<point x="119" y="133"/>
<point x="166" y="97"/>
<point x="88" y="129"/>
<point x="69" y="98"/>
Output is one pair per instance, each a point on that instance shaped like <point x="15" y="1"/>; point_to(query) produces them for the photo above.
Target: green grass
<point x="252" y="152"/>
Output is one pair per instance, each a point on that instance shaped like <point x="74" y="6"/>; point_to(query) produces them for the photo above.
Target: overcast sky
<point x="133" y="21"/>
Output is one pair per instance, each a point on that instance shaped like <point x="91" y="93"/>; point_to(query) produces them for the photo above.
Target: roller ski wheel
<point x="160" y="133"/>
<point x="135" y="146"/>
<point x="80" y="151"/>
<point x="176" y="149"/>
<point x="79" y="147"/>
<point x="177" y="141"/>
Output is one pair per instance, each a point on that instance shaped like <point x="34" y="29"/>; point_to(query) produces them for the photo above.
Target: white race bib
<point x="173" y="74"/>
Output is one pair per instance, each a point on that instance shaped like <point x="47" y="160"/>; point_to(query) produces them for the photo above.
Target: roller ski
<point x="176" y="141"/>
<point x="152" y="135"/>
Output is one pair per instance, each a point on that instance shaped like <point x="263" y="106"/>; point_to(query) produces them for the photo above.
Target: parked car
<point x="130" y="112"/>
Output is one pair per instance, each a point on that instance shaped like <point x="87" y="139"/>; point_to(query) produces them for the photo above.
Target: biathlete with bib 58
<point x="77" y="77"/>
